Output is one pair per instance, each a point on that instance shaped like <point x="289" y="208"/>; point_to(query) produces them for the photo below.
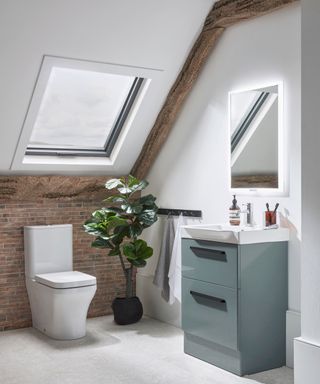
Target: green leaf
<point x="129" y="250"/>
<point x="115" y="221"/>
<point x="92" y="229"/>
<point x="135" y="229"/>
<point x="116" y="199"/>
<point x="139" y="244"/>
<point x="146" y="253"/>
<point x="142" y="249"/>
<point x="103" y="214"/>
<point x="137" y="250"/>
<point x="147" y="200"/>
<point x="125" y="190"/>
<point x="137" y="208"/>
<point x="132" y="181"/>
<point x="127" y="208"/>
<point x="107" y="237"/>
<point x="133" y="208"/>
<point x="116" y="210"/>
<point x="148" y="217"/>
<point x="120" y="232"/>
<point x="113" y="183"/>
<point x="138" y="263"/>
<point x="140" y="186"/>
<point x="101" y="243"/>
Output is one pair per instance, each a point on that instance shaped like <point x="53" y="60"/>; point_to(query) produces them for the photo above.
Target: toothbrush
<point x="275" y="208"/>
<point x="267" y="205"/>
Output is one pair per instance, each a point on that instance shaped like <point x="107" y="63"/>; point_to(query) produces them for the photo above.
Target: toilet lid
<point x="71" y="279"/>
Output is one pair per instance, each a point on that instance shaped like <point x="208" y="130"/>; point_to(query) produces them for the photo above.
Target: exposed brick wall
<point x="14" y="215"/>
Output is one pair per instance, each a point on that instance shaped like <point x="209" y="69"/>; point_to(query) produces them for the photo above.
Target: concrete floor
<point x="149" y="352"/>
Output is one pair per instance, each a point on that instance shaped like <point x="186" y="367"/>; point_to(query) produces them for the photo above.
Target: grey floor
<point x="149" y="352"/>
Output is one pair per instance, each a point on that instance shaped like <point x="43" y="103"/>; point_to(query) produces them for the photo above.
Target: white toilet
<point x="59" y="297"/>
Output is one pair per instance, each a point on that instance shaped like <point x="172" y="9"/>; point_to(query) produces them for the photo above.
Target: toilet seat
<point x="68" y="279"/>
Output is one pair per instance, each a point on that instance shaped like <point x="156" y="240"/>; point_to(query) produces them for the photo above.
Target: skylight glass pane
<point x="79" y="109"/>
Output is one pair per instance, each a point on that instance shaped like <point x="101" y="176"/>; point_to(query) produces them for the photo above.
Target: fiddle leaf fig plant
<point x="118" y="226"/>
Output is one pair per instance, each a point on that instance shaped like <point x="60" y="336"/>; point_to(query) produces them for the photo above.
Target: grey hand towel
<point x="161" y="278"/>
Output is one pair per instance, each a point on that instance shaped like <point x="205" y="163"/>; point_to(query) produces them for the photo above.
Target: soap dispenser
<point x="234" y="212"/>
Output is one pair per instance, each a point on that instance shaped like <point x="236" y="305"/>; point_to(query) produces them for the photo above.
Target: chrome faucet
<point x="249" y="214"/>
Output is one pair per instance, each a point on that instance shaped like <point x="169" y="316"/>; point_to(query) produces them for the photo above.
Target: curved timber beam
<point x="223" y="14"/>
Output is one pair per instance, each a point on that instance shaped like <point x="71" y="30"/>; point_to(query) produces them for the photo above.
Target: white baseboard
<point x="306" y="362"/>
<point x="293" y="327"/>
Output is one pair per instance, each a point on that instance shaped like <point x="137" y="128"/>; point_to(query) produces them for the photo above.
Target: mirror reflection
<point x="254" y="138"/>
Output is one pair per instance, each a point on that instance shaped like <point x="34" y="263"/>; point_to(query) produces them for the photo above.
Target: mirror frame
<point x="282" y="189"/>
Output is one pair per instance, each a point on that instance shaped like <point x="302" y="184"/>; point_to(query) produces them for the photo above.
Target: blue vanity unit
<point x="235" y="296"/>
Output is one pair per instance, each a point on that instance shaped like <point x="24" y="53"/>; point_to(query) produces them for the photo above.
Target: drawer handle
<point x="208" y="300"/>
<point x="212" y="254"/>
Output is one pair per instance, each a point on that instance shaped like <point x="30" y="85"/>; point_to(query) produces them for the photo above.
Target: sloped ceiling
<point x="143" y="33"/>
<point x="223" y="14"/>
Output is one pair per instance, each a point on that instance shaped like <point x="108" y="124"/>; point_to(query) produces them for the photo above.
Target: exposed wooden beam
<point x="223" y="14"/>
<point x="35" y="188"/>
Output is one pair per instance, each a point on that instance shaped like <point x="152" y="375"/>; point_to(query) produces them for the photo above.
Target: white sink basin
<point x="234" y="234"/>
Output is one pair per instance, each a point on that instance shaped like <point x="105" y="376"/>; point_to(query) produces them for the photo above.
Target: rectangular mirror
<point x="254" y="117"/>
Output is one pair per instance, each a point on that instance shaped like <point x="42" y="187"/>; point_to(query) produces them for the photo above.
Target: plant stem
<point x="122" y="264"/>
<point x="128" y="276"/>
<point x="129" y="291"/>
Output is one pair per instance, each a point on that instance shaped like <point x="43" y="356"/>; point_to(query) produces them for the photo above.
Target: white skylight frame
<point x="68" y="163"/>
<point x="82" y="112"/>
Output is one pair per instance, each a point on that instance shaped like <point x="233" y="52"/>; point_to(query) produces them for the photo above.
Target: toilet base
<point x="59" y="313"/>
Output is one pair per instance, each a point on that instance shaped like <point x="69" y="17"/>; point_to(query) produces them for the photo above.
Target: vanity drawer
<point x="212" y="262"/>
<point x="209" y="311"/>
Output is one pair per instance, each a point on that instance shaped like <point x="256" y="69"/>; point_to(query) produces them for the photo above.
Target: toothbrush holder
<point x="270" y="218"/>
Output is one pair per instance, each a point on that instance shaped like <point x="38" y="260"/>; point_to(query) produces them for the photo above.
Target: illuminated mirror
<point x="255" y="139"/>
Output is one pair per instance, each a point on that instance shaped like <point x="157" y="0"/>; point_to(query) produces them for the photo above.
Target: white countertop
<point x="233" y="234"/>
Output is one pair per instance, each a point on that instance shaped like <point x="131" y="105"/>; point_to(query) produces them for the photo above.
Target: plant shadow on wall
<point x="117" y="227"/>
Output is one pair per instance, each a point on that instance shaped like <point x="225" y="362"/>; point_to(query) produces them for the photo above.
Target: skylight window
<point x="82" y="112"/>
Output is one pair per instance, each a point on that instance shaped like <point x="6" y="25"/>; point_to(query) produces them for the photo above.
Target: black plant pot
<point x="127" y="310"/>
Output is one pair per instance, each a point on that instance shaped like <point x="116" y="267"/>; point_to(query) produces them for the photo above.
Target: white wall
<point x="142" y="33"/>
<point x="307" y="348"/>
<point x="191" y="171"/>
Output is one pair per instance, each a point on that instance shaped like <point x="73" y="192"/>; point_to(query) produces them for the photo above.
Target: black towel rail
<point x="178" y="212"/>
